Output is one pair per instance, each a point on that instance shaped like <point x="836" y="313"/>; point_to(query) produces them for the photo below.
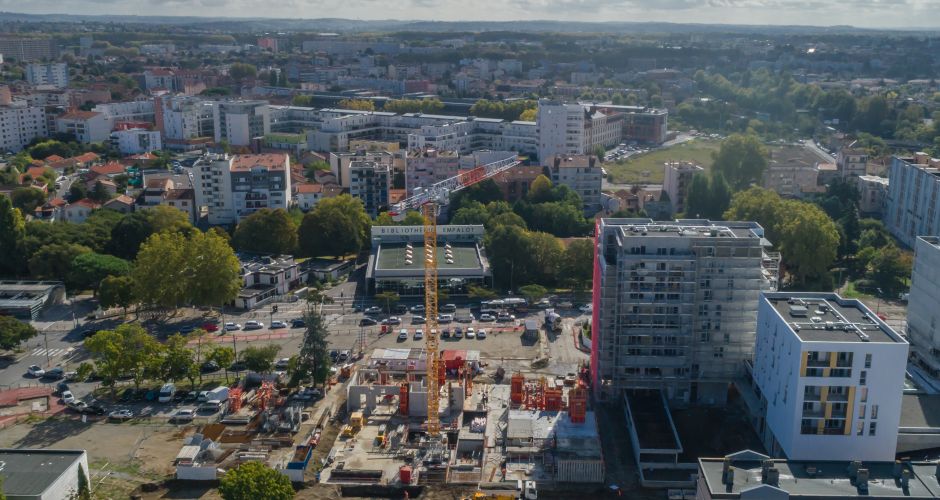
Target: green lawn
<point x="648" y="168"/>
<point x="850" y="292"/>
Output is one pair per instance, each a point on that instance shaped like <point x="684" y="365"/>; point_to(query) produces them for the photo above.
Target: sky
<point x="861" y="13"/>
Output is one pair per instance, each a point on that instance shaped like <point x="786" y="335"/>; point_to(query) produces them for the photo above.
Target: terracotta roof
<point x="127" y="200"/>
<point x="85" y="202"/>
<point x="110" y="168"/>
<point x="56" y="202"/>
<point x="35" y="172"/>
<point x="309" y="188"/>
<point x="52" y="158"/>
<point x="85" y="157"/>
<point x="161" y="184"/>
<point x="272" y="161"/>
<point x="79" y="115"/>
<point x="143" y="156"/>
<point x="181" y="194"/>
<point x="396" y="195"/>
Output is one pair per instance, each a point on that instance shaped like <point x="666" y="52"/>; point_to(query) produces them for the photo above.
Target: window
<point x="860" y="428"/>
<point x="874" y="412"/>
<point x="862" y="411"/>
<point x="862" y="377"/>
<point x="719" y="352"/>
<point x="871" y="428"/>
<point x="864" y="397"/>
<point x="868" y="361"/>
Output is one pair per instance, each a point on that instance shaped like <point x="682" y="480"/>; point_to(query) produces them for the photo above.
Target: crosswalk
<point x="62" y="351"/>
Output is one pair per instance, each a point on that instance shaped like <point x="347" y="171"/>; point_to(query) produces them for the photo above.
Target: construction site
<point x="511" y="429"/>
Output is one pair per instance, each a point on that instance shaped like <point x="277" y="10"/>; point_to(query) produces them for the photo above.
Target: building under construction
<point x="527" y="429"/>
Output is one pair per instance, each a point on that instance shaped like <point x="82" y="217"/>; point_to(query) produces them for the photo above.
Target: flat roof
<point x="394" y="257"/>
<point x="826" y="317"/>
<point x="29" y="472"/>
<point x="920" y="410"/>
<point x="690" y="228"/>
<point x="818" y="479"/>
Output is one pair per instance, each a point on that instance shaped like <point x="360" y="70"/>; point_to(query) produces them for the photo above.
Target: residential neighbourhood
<point x="325" y="258"/>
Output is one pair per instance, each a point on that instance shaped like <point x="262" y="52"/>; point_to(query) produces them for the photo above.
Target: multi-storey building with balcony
<point x="229" y="188"/>
<point x="830" y="377"/>
<point x="582" y="175"/>
<point x="675" y="306"/>
<point x="369" y="183"/>
<point x="19" y="123"/>
<point x="852" y="162"/>
<point x="238" y="122"/>
<point x="923" y="306"/>
<point x="912" y="205"/>
<point x="426" y="166"/>
<point x="676" y="181"/>
<point x="48" y="74"/>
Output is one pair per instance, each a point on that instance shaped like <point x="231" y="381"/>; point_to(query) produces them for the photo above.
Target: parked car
<point x="400" y="309"/>
<point x="184" y="415"/>
<point x="35" y="371"/>
<point x="334" y="354"/>
<point x="68" y="397"/>
<point x="470" y="333"/>
<point x="298" y="323"/>
<point x="449" y="308"/>
<point x="586" y="308"/>
<point x="344" y="355"/>
<point x="445" y="333"/>
<point x="445" y="318"/>
<point x="61" y="387"/>
<point x="254" y="325"/>
<point x="231" y="327"/>
<point x="367" y="322"/>
<point x="481" y="334"/>
<point x="458" y="333"/>
<point x="417" y="320"/>
<point x="403" y="335"/>
<point x="281" y="364"/>
<point x="419" y="334"/>
<point x="461" y="318"/>
<point x="180" y="396"/>
<point x="504" y="317"/>
<point x="417" y="309"/>
<point x="127" y="396"/>
<point x="392" y="320"/>
<point x="121" y="415"/>
<point x="210" y="327"/>
<point x="88" y="333"/>
<point x="187" y="329"/>
<point x="209" y="367"/>
<point x="278" y="324"/>
<point x="374" y="310"/>
<point x="54" y="373"/>
<point x="487" y="318"/>
<point x="203" y="396"/>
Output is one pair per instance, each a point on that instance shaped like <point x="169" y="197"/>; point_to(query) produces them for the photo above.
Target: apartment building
<point x="923" y="304"/>
<point x="912" y="205"/>
<point x="852" y="162"/>
<point x="830" y="374"/>
<point x="560" y="128"/>
<point x="20" y="124"/>
<point x="229" y="188"/>
<point x="86" y="126"/>
<point x="20" y="48"/>
<point x="369" y="183"/>
<point x="48" y="74"/>
<point x="340" y="163"/>
<point x="872" y="192"/>
<point x="425" y="167"/>
<point x="136" y="141"/>
<point x="675" y="306"/>
<point x="676" y="180"/>
<point x="238" y="122"/>
<point x="137" y="111"/>
<point x="184" y="121"/>
<point x="582" y="175"/>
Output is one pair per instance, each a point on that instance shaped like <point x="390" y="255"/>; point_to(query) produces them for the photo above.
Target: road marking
<point x="48" y="352"/>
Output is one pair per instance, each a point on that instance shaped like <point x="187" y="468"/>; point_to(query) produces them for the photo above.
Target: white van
<point x="166" y="393"/>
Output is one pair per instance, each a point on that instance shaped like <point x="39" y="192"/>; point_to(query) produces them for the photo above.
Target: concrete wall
<point x="196" y="473"/>
<point x="67" y="484"/>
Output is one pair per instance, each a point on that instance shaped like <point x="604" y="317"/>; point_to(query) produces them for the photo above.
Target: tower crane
<point x="429" y="200"/>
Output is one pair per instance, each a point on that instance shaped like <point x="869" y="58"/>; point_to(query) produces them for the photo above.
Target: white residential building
<point x="229" y="188"/>
<point x="912" y="206"/>
<point x="923" y="306"/>
<point x="676" y="181"/>
<point x="86" y="126"/>
<point x="852" y="162"/>
<point x="185" y="121"/>
<point x="20" y="124"/>
<point x="428" y="166"/>
<point x="675" y="306"/>
<point x="136" y="140"/>
<point x="369" y="183"/>
<point x="127" y="111"/>
<point x="48" y="74"/>
<point x="340" y="162"/>
<point x="872" y="193"/>
<point x="582" y="175"/>
<point x="560" y="128"/>
<point x="238" y="122"/>
<point x="830" y="374"/>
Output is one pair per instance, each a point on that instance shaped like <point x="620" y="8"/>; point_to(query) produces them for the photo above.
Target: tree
<point x="116" y="291"/>
<point x="357" y="104"/>
<point x="698" y="197"/>
<point x="742" y="159"/>
<point x="757" y="204"/>
<point x="809" y="239"/>
<point x="88" y="269"/>
<point x="214" y="270"/>
<point x="313" y="362"/>
<point x="260" y="359"/>
<point x="134" y="229"/>
<point x="83" y="493"/>
<point x="546" y="253"/>
<point x="12" y="234"/>
<point x="480" y="293"/>
<point x="510" y="252"/>
<point x="242" y="71"/>
<point x="889" y="269"/>
<point x="533" y="293"/>
<point x="77" y="191"/>
<point x="223" y="356"/>
<point x="179" y="361"/>
<point x="27" y="199"/>
<point x="389" y="299"/>
<point x="541" y="190"/>
<point x="253" y="480"/>
<point x="54" y="261"/>
<point x="126" y="350"/>
<point x="720" y="196"/>
<point x="337" y="226"/>
<point x="577" y="264"/>
<point x="266" y="231"/>
<point x="99" y="193"/>
<point x="14" y="331"/>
